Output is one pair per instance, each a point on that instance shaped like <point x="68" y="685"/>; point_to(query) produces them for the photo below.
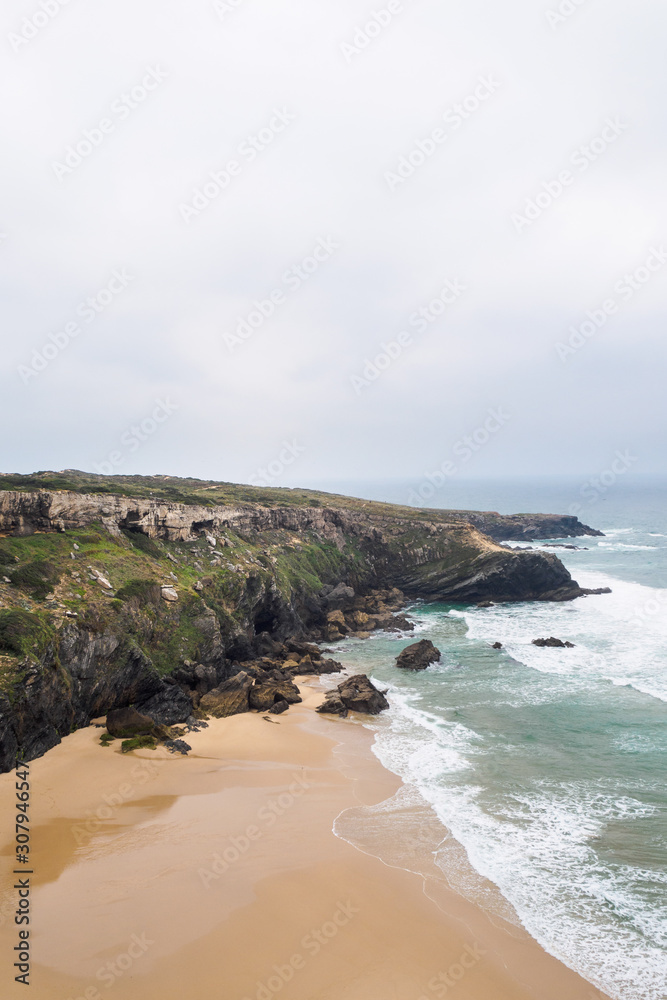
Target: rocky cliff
<point x="108" y="597"/>
<point x="526" y="527"/>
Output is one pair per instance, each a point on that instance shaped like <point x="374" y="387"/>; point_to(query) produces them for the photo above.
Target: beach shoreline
<point x="218" y="874"/>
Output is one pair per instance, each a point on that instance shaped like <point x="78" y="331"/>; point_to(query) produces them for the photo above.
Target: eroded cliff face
<point x="108" y="600"/>
<point x="43" y="510"/>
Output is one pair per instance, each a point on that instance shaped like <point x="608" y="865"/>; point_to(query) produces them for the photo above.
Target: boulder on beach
<point x="167" y="707"/>
<point x="124" y="723"/>
<point x="229" y="698"/>
<point x="265" y="694"/>
<point x="279" y="707"/>
<point x="355" y="694"/>
<point x="418" y="656"/>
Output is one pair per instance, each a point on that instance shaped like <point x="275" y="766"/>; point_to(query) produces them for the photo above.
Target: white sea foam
<point x="625" y="547"/>
<point x="619" y="637"/>
<point x="538" y="849"/>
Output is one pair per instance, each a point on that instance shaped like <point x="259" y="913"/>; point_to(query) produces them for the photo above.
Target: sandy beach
<point x="218" y="875"/>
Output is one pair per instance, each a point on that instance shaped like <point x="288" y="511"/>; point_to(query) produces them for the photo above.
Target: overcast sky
<point x="446" y="188"/>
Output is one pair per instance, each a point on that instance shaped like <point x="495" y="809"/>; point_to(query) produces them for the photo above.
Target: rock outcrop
<point x="527" y="527"/>
<point x="355" y="694"/>
<point x="418" y="656"/>
<point x="272" y="688"/>
<point x="551" y="641"/>
<point x="279" y="707"/>
<point x="168" y="707"/>
<point x="230" y="698"/>
<point x="359" y="615"/>
<point x="124" y="723"/>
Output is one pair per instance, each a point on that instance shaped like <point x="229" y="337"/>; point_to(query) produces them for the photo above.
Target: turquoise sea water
<point x="549" y="765"/>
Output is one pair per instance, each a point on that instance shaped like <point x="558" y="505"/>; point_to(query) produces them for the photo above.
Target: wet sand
<point x="217" y="875"/>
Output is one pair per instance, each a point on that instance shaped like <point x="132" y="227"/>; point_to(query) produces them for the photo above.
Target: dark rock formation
<point x="124" y="723"/>
<point x="230" y="698"/>
<point x="168" y="706"/>
<point x="526" y="527"/>
<point x="320" y="666"/>
<point x="356" y="694"/>
<point x="559" y="545"/>
<point x="366" y="614"/>
<point x="178" y="746"/>
<point x="333" y="704"/>
<point x="491" y="572"/>
<point x="194" y="725"/>
<point x="198" y="678"/>
<point x="274" y="688"/>
<point x="418" y="656"/>
<point x="497" y="645"/>
<point x="279" y="707"/>
<point x="337" y="598"/>
<point x="553" y="642"/>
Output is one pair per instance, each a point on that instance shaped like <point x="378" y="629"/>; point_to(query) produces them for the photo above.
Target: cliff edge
<point x="109" y="595"/>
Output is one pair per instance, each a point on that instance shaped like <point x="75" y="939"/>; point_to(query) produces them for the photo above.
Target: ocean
<point x="536" y="777"/>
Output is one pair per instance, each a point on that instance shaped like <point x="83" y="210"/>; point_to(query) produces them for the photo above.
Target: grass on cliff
<point x="24" y="638"/>
<point x="243" y="579"/>
<point x="202" y="492"/>
<point x="23" y="633"/>
<point x="37" y="578"/>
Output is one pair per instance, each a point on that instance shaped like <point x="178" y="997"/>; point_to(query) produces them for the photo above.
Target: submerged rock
<point x="551" y="641"/>
<point x="418" y="656"/>
<point x="557" y="545"/>
<point x="356" y="694"/>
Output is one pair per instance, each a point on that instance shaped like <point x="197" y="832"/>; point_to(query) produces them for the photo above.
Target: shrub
<point x="89" y="539"/>
<point x="142" y="591"/>
<point x="38" y="578"/>
<point x="143" y="543"/>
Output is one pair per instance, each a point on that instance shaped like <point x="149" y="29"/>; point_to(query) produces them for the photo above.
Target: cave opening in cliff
<point x="266" y="621"/>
